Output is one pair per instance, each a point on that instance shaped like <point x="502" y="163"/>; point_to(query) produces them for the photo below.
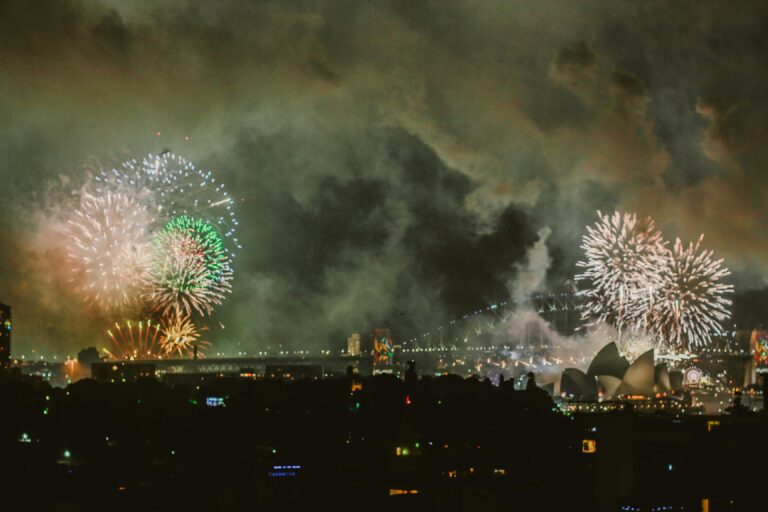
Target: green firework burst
<point x="191" y="266"/>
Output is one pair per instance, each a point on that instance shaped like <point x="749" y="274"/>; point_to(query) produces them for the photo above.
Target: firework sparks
<point x="181" y="337"/>
<point x="623" y="255"/>
<point x="634" y="343"/>
<point x="108" y="249"/>
<point x="171" y="186"/>
<point x="691" y="303"/>
<point x="153" y="234"/>
<point x="190" y="267"/>
<point x="134" y="340"/>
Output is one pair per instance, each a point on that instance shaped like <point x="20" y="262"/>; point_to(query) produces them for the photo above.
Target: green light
<point x="45" y="411"/>
<point x="190" y="237"/>
<point x="357" y="405"/>
<point x="67" y="454"/>
<point x="417" y="445"/>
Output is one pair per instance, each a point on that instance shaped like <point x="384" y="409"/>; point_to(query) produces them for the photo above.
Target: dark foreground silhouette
<point x="343" y="444"/>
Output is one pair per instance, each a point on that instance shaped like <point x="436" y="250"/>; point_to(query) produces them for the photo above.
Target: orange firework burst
<point x="180" y="337"/>
<point x="135" y="340"/>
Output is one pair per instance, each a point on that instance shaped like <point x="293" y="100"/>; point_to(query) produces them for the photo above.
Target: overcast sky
<point x="394" y="161"/>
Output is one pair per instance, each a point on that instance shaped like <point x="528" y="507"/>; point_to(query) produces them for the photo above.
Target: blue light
<point x="214" y="401"/>
<point x="282" y="474"/>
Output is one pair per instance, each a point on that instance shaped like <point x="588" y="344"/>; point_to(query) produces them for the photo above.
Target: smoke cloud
<point x="530" y="276"/>
<point x="386" y="181"/>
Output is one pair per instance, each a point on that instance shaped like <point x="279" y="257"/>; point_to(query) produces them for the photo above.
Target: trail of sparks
<point x="691" y="303"/>
<point x="623" y="255"/>
<point x="135" y="340"/>
<point x="637" y="284"/>
<point x="180" y="337"/>
<point x="171" y="186"/>
<point x="155" y="233"/>
<point x="190" y="269"/>
<point x="108" y="249"/>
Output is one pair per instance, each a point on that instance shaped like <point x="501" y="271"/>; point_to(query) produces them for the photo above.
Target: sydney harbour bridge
<point x="559" y="312"/>
<point x="484" y="329"/>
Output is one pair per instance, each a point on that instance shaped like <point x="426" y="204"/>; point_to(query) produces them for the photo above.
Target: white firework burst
<point x="623" y="256"/>
<point x="692" y="302"/>
<point x="635" y="342"/>
<point x="171" y="186"/>
<point x="108" y="249"/>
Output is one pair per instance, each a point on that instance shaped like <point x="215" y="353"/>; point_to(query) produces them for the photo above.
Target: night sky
<point x="394" y="163"/>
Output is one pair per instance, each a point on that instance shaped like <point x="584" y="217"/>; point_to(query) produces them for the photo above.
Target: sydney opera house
<point x="610" y="377"/>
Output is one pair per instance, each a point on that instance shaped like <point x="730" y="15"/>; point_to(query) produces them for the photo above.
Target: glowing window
<point x="588" y="446"/>
<point x="398" y="492"/>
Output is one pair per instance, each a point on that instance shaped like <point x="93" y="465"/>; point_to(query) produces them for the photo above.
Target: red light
<point x="407" y="399"/>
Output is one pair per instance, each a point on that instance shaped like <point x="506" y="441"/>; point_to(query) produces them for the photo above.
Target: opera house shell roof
<point x="610" y="376"/>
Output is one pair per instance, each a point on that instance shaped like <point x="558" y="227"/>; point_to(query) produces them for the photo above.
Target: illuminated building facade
<point x="759" y="345"/>
<point x="5" y="333"/>
<point x="353" y="345"/>
<point x="383" y="351"/>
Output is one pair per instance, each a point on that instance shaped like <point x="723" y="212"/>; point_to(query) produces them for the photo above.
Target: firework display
<point x="635" y="342"/>
<point x="181" y="337"/>
<point x="109" y="249"/>
<point x="153" y="235"/>
<point x="623" y="255"/>
<point x="190" y="267"/>
<point x="171" y="186"/>
<point x="691" y="302"/>
<point x="637" y="284"/>
<point x="135" y="340"/>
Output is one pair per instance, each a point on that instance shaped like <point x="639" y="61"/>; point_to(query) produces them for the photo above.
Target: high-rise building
<point x="353" y="345"/>
<point x="5" y="333"/>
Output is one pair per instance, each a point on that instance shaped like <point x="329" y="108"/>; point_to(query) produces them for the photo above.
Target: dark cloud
<point x="630" y="91"/>
<point x="112" y="32"/>
<point x="393" y="161"/>
<point x="575" y="65"/>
